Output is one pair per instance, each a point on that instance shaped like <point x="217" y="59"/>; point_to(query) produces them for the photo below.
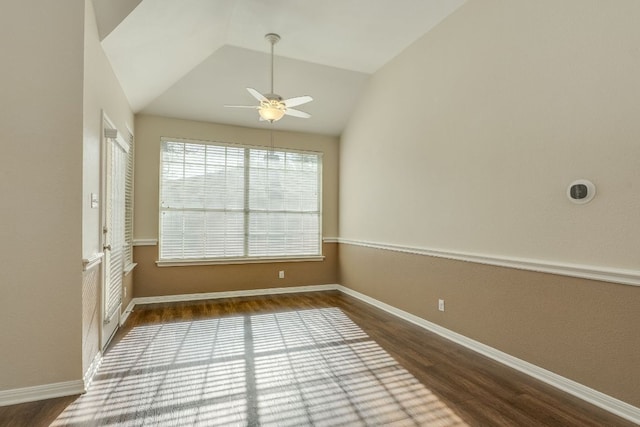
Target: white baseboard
<point x="127" y="311"/>
<point x="232" y="294"/>
<point x="91" y="371"/>
<point x="583" y="392"/>
<point x="40" y="392"/>
<point x="606" y="402"/>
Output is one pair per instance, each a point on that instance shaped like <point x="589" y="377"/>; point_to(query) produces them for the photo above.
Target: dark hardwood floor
<point x="305" y="359"/>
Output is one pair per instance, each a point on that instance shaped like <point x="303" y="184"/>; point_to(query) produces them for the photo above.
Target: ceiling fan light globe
<point x="272" y="114"/>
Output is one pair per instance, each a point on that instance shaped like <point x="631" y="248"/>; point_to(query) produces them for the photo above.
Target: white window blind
<point x="128" y="215"/>
<point x="115" y="212"/>
<point x="228" y="201"/>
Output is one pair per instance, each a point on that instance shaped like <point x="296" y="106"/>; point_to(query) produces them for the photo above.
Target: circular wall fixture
<point x="581" y="191"/>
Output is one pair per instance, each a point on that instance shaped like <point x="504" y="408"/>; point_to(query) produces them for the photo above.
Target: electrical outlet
<point x="441" y="304"/>
<point x="281" y="274"/>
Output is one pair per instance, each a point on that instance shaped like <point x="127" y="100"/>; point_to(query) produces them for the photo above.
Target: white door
<point x="113" y="241"/>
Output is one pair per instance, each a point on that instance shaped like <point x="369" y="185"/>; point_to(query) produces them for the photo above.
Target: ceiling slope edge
<point x="110" y="13"/>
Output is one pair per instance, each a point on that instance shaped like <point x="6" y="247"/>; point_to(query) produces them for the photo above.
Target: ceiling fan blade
<point x="298" y="100"/>
<point x="257" y="95"/>
<point x="296" y="113"/>
<point x="255" y="107"/>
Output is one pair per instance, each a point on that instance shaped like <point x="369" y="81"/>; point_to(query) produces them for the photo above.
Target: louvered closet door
<point x="114" y="239"/>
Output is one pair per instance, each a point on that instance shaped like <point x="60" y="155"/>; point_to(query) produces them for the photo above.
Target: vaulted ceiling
<point x="188" y="58"/>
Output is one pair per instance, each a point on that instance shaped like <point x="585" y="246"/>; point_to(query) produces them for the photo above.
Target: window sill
<point x="129" y="268"/>
<point x="225" y="261"/>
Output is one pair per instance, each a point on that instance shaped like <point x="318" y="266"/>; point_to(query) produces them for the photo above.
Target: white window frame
<point x="168" y="262"/>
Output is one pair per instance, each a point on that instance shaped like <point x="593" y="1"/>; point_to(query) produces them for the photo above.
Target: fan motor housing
<point x="273" y="97"/>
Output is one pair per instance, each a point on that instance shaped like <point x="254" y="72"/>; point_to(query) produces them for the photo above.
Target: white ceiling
<point x="188" y="58"/>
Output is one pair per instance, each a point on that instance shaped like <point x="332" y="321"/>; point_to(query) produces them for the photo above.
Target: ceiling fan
<point x="272" y="107"/>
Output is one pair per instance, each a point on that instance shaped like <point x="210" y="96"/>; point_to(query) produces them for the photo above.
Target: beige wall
<point x="41" y="192"/>
<point x="151" y="280"/>
<point x="502" y="106"/>
<point x="156" y="281"/>
<point x="584" y="330"/>
<point x="102" y="94"/>
<point x="56" y="88"/>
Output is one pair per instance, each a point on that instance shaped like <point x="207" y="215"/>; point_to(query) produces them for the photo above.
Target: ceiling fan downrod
<point x="272" y="38"/>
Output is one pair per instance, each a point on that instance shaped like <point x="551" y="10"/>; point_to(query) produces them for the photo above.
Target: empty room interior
<point x="240" y="212"/>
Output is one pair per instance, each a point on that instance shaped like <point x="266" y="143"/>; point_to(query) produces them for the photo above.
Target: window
<point x="227" y="201"/>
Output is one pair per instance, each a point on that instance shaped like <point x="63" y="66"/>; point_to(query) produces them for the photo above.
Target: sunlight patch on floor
<point x="304" y="367"/>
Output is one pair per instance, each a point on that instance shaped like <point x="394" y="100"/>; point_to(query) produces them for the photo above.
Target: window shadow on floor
<point x="294" y="368"/>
